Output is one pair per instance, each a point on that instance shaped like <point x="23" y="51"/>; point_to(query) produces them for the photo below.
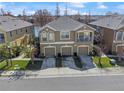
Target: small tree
<point x="4" y="54"/>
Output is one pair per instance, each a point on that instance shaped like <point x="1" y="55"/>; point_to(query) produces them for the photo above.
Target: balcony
<point x="47" y="40"/>
<point x="84" y="39"/>
<point x="84" y="36"/>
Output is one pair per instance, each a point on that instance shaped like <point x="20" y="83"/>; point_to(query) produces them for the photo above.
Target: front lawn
<point x="105" y="62"/>
<point x="21" y="65"/>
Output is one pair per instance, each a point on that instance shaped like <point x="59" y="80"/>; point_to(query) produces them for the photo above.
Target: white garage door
<point x="66" y="50"/>
<point x="82" y="50"/>
<point x="50" y="51"/>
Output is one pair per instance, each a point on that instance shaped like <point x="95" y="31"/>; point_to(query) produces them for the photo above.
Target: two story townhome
<point x="112" y="29"/>
<point x="65" y="36"/>
<point x="14" y="31"/>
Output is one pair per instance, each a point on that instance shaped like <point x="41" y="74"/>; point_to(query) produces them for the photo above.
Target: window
<point x="44" y="36"/>
<point x="11" y="34"/>
<point x="51" y="36"/>
<point x="65" y="35"/>
<point x="85" y="36"/>
<point x="20" y="30"/>
<point x="26" y="30"/>
<point x="119" y="36"/>
<point x="81" y="36"/>
<point x="1" y="38"/>
<point x="16" y="32"/>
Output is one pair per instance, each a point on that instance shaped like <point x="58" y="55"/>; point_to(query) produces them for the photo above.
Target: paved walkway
<point x="48" y="63"/>
<point x="87" y="62"/>
<point x="67" y="72"/>
<point x="69" y="62"/>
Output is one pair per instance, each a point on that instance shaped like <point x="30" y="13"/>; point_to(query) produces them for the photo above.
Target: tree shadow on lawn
<point x="36" y="66"/>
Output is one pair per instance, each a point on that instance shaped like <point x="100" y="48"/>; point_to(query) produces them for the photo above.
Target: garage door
<point x="66" y="50"/>
<point x="49" y="51"/>
<point x="120" y="49"/>
<point x="82" y="50"/>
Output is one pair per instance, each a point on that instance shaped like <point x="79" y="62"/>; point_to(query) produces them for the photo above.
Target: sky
<point x="95" y="8"/>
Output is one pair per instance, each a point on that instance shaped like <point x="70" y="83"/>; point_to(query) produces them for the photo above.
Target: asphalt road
<point x="65" y="83"/>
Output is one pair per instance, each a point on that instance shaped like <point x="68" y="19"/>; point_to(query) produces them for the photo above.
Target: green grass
<point x="22" y="64"/>
<point x="105" y="61"/>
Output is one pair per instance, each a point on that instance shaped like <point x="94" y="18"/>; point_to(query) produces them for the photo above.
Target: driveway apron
<point x="87" y="62"/>
<point x="48" y="63"/>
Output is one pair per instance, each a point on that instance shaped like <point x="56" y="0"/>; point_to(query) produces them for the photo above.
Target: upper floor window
<point x="44" y="36"/>
<point x="120" y="36"/>
<point x="26" y="30"/>
<point x="65" y="35"/>
<point x="16" y="32"/>
<point x="10" y="33"/>
<point x="1" y="37"/>
<point x="84" y="36"/>
<point x="51" y="36"/>
<point x="47" y="36"/>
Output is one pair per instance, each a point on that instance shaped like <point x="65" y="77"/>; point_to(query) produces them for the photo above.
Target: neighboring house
<point x="14" y="31"/>
<point x="112" y="29"/>
<point x="66" y="36"/>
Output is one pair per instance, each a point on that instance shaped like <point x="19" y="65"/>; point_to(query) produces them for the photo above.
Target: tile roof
<point x="113" y="22"/>
<point x="8" y="23"/>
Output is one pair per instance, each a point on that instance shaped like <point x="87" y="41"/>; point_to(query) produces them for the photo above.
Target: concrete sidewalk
<point x="65" y="72"/>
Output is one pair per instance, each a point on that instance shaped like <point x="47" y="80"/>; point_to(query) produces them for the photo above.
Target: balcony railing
<point x="47" y="40"/>
<point x="82" y="39"/>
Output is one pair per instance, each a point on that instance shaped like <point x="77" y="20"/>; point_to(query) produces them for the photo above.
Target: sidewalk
<point x="65" y="72"/>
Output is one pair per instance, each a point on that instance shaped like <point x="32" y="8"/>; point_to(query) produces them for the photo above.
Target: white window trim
<point x="53" y="36"/>
<point x="66" y="38"/>
<point x="42" y="35"/>
<point x="47" y="35"/>
<point x="84" y="32"/>
<point x="117" y="36"/>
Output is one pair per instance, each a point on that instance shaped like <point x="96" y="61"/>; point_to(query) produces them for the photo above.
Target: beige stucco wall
<point x="108" y="35"/>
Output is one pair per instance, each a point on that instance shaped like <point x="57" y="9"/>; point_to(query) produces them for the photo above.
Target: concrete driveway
<point x="69" y="62"/>
<point x="87" y="61"/>
<point x="48" y="63"/>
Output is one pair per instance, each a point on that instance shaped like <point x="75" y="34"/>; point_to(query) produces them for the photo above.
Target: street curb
<point x="67" y="75"/>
